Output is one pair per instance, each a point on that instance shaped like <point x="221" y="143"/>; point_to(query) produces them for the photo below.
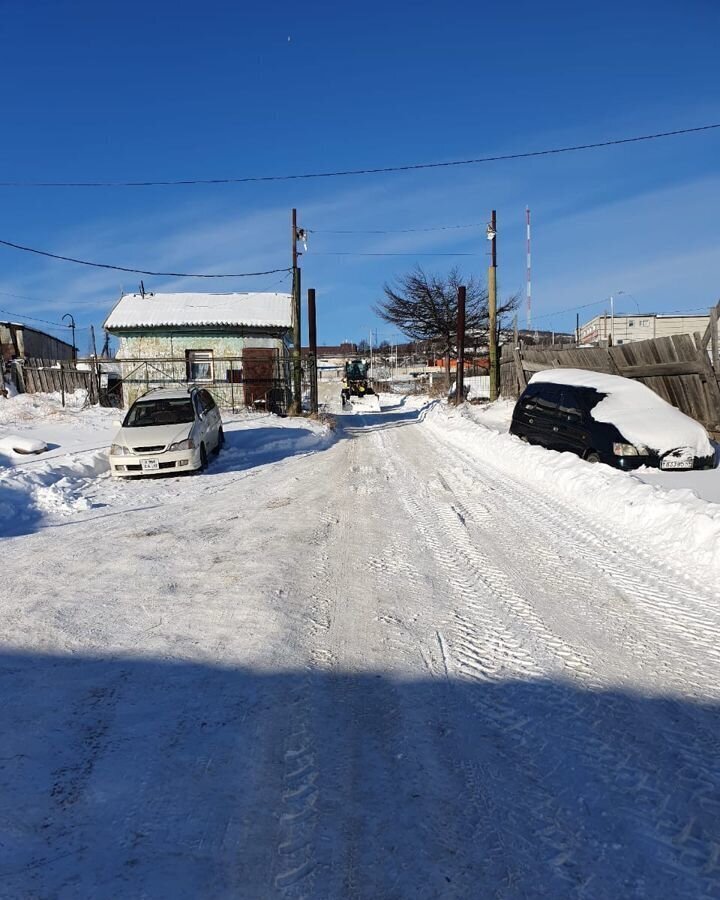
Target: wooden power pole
<point x="492" y="307"/>
<point x="460" y="371"/>
<point x="313" y="360"/>
<point x="296" y="322"/>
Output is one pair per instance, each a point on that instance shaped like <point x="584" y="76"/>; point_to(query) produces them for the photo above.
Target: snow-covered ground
<point x="407" y="657"/>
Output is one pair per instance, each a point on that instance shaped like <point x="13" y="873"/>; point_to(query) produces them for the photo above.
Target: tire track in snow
<point x="589" y="561"/>
<point x="629" y="776"/>
<point x="297" y="859"/>
<point x="483" y="648"/>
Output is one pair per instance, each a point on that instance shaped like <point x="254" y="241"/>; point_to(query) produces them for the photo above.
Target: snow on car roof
<point x="600" y="381"/>
<point x="252" y="310"/>
<point x="641" y="415"/>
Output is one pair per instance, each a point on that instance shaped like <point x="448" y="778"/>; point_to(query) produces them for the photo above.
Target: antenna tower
<point x="528" y="308"/>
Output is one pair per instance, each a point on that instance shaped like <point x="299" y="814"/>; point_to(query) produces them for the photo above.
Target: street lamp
<point x="632" y="297"/>
<point x="612" y="313"/>
<point x="72" y="327"/>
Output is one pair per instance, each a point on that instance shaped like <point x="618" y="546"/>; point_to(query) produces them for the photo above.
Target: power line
<point x="7" y="312"/>
<point x="380" y="170"/>
<point x="396" y="230"/>
<point x="561" y="312"/>
<point x="672" y="312"/>
<point x="96" y="265"/>
<point x="354" y="253"/>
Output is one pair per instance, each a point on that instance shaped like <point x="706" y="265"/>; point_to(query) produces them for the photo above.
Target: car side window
<point x="548" y="399"/>
<point x="207" y="400"/>
<point x="197" y="403"/>
<point x="529" y="396"/>
<point x="571" y="403"/>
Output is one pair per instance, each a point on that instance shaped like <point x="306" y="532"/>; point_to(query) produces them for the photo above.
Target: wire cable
<point x="396" y="230"/>
<point x="96" y="265"/>
<point x="379" y="170"/>
<point x="359" y="253"/>
<point x="7" y="312"/>
<point x="605" y="300"/>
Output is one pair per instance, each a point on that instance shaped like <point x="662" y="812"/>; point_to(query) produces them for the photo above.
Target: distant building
<point x="18" y="341"/>
<point x="236" y="344"/>
<point x="627" y="329"/>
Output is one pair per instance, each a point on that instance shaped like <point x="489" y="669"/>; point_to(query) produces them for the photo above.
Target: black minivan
<point x="558" y="416"/>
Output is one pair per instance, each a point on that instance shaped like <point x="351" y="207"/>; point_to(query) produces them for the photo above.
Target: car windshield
<point x="160" y="412"/>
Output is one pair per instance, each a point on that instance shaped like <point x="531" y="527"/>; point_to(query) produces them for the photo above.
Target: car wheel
<point x="592" y="457"/>
<point x="220" y="440"/>
<point x="203" y="458"/>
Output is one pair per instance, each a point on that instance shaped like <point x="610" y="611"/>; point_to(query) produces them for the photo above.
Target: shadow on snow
<point x="128" y="777"/>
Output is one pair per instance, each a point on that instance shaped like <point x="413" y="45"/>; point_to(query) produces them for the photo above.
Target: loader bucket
<point x="368" y="403"/>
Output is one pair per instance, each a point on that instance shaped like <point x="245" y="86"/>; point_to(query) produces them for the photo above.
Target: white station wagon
<point x="167" y="431"/>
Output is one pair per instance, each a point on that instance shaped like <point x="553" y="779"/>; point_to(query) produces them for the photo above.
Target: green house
<point x="235" y="344"/>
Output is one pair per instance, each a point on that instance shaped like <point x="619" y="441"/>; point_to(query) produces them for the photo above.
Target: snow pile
<point x="60" y="498"/>
<point x="29" y="407"/>
<point x="495" y="416"/>
<point x="676" y="524"/>
<point x="57" y="483"/>
<point x="56" y="487"/>
<point x="641" y="415"/>
<point x="257" y="438"/>
<point x="14" y="443"/>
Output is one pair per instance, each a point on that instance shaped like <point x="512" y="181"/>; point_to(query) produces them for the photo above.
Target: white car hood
<point x="153" y="435"/>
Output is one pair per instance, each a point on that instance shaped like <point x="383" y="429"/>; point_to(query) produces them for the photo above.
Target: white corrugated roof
<point x="251" y="310"/>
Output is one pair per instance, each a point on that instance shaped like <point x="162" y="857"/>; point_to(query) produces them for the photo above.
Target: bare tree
<point x="424" y="307"/>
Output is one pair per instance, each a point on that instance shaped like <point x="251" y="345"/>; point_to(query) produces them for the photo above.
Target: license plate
<point x="149" y="465"/>
<point x="676" y="464"/>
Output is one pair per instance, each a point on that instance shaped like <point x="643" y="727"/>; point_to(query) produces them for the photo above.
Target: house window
<point x="630" y="323"/>
<point x="199" y="365"/>
<point x="644" y="323"/>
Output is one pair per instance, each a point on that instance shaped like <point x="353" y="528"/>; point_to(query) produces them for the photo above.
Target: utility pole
<point x="492" y="306"/>
<point x="460" y="371"/>
<point x="296" y="320"/>
<point x="371" y="357"/>
<point x="312" y="361"/>
<point x="95" y="367"/>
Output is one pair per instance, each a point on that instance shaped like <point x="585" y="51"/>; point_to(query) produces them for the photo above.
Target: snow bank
<point x="641" y="415"/>
<point x="676" y="524"/>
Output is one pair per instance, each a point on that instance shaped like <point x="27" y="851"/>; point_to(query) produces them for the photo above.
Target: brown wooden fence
<point x="36" y="376"/>
<point x="682" y="369"/>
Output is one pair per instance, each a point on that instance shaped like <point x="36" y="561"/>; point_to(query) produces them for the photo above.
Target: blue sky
<point x="181" y="90"/>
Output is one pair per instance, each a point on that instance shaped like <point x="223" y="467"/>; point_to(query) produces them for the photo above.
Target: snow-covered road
<point x="382" y="664"/>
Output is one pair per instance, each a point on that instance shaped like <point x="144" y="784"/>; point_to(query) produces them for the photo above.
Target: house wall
<point x="158" y="360"/>
<point x="17" y="340"/>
